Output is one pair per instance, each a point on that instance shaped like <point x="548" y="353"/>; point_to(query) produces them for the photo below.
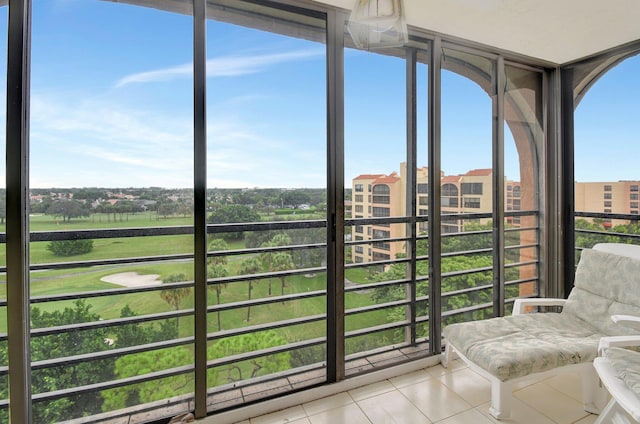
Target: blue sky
<point x="112" y="107"/>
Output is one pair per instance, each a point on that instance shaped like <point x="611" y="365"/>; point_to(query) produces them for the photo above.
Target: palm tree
<point x="250" y="267"/>
<point x="174" y="296"/>
<point x="267" y="258"/>
<point x="282" y="261"/>
<point x="218" y="271"/>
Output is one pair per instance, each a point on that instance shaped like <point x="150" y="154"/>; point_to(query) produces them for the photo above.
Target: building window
<point x="633" y="196"/>
<point x="382" y="245"/>
<point x="607" y="211"/>
<point x="607" y="204"/>
<point x="634" y="188"/>
<point x="449" y="190"/>
<point x="358" y="259"/>
<point x="516" y="191"/>
<point x="378" y="234"/>
<point x="449" y="202"/>
<point x="359" y="238"/>
<point x="423" y="188"/>
<point x="380" y="212"/>
<point x="633" y="212"/>
<point x="607" y="188"/>
<point x="607" y="196"/>
<point x="358" y="228"/>
<point x="380" y="256"/>
<point x="633" y="205"/>
<point x="359" y="208"/>
<point x="358" y="249"/>
<point x="381" y="194"/>
<point x="423" y="200"/>
<point x="359" y="188"/>
<point x="516" y="204"/>
<point x="472" y="202"/>
<point x="471" y="188"/>
<point x="359" y="198"/>
<point x="423" y="212"/>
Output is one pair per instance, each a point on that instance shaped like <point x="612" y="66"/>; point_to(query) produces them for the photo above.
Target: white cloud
<point x="227" y="66"/>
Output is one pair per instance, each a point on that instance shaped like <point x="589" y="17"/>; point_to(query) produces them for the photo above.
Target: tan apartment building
<point x="380" y="195"/>
<point x="619" y="197"/>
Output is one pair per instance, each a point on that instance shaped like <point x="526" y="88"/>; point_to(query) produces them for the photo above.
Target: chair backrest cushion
<point x="605" y="284"/>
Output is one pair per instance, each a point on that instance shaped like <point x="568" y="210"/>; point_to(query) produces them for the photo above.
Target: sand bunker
<point x="132" y="279"/>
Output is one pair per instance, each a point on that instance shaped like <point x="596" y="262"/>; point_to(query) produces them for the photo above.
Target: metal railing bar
<point x="376" y="307"/>
<point x="47" y="331"/>
<point x="118" y="261"/>
<point x="264" y="275"/>
<point x="466" y="271"/>
<point x="36" y="236"/>
<point x="371" y="286"/>
<point x="267" y="326"/>
<point x="109" y="292"/>
<point x="63" y="393"/>
<point x="258" y="250"/>
<point x="467" y="290"/>
<point x="107" y="354"/>
<point x="376" y="329"/>
<point x="265" y="301"/>
<point x="523" y="263"/>
<point x="264" y="226"/>
<point x="264" y="352"/>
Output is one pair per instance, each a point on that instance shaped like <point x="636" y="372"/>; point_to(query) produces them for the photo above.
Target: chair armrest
<point x="520" y="304"/>
<point x="627" y="320"/>
<point x="617" y="341"/>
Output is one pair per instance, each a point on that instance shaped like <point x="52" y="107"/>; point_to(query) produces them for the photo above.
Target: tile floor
<point x="437" y="395"/>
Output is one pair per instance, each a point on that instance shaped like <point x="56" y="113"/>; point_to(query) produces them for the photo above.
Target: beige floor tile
<point x="589" y="419"/>
<point x="561" y="408"/>
<point x="370" y="390"/>
<point x="467" y="417"/>
<point x="469" y="385"/>
<point x="435" y="400"/>
<point x="328" y="403"/>
<point x="410" y="378"/>
<point x="521" y="413"/>
<point x="568" y="383"/>
<point x="438" y="370"/>
<point x="348" y="414"/>
<point x="392" y="408"/>
<point x="280" y="417"/>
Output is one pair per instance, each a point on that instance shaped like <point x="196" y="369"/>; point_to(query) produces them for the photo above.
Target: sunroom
<point x="231" y="207"/>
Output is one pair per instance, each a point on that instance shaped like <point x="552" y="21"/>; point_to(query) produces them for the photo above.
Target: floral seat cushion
<point x="520" y="345"/>
<point x="626" y="363"/>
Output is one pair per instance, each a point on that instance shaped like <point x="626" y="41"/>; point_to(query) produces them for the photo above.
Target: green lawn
<point x="80" y="280"/>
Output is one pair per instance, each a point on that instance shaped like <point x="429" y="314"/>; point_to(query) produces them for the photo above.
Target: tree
<point x="67" y="209"/>
<point x="70" y="247"/>
<point x="250" y="267"/>
<point x="78" y="342"/>
<point x="73" y="374"/>
<point x="144" y="363"/>
<point x="249" y="368"/>
<point x="218" y="268"/>
<point x="294" y="198"/>
<point x="267" y="258"/>
<point x="174" y="296"/>
<point x="228" y="214"/>
<point x="281" y="261"/>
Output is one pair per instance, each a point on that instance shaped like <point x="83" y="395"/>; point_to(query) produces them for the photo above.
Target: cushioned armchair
<point x="508" y="350"/>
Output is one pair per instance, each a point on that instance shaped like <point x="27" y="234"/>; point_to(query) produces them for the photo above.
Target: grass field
<point x="79" y="280"/>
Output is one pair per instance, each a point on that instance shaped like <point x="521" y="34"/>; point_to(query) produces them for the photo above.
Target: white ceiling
<point x="557" y="31"/>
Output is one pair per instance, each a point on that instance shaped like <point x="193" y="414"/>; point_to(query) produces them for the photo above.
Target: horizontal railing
<point x="389" y="320"/>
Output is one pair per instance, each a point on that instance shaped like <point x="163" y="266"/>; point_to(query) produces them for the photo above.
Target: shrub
<point x="70" y="247"/>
